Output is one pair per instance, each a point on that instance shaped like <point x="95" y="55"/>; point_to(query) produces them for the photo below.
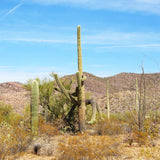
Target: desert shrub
<point x="88" y="147"/>
<point x="47" y="129"/>
<point x="55" y="105"/>
<point x="112" y="127"/>
<point x="143" y="132"/>
<point x="5" y="112"/>
<point x="15" y="134"/>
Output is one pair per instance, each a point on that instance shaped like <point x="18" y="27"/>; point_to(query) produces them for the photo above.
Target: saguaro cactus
<point x="34" y="106"/>
<point x="108" y="108"/>
<point x="137" y="96"/>
<point x="80" y="81"/>
<point x="78" y="97"/>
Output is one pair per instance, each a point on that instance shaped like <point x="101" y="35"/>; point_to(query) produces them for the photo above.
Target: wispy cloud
<point x="149" y="6"/>
<point x="104" y="39"/>
<point x="12" y="10"/>
<point x="132" y="46"/>
<point x="41" y="40"/>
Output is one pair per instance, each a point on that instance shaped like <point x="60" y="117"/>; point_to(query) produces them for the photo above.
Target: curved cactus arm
<point x="93" y="104"/>
<point x="99" y="110"/>
<point x="62" y="89"/>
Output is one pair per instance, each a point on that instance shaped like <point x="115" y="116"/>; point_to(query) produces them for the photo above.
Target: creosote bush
<point x="111" y="127"/>
<point x="15" y="133"/>
<point x="88" y="147"/>
<point x="47" y="129"/>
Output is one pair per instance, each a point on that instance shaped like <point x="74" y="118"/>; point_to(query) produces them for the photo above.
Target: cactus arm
<point x="99" y="110"/>
<point x="93" y="104"/>
<point x="62" y="89"/>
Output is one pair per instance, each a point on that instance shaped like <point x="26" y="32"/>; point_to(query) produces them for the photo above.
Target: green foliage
<point x="5" y="112"/>
<point x="15" y="133"/>
<point x="54" y="105"/>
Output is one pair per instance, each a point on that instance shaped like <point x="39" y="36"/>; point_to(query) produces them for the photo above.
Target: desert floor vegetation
<point x="116" y="138"/>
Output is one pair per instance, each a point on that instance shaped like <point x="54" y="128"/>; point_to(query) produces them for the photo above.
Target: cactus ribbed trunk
<point x="81" y="93"/>
<point x="34" y="107"/>
<point x="108" y="109"/>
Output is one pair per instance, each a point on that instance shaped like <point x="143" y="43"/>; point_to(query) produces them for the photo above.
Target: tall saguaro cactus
<point x="34" y="106"/>
<point x="77" y="98"/>
<point x="108" y="108"/>
<point x="80" y="81"/>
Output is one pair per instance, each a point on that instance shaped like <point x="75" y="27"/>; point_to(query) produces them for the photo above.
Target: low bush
<point x="111" y="127"/>
<point x="88" y="147"/>
<point x="15" y="133"/>
<point x="47" y="129"/>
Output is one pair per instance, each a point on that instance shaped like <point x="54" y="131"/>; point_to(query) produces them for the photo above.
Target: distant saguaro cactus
<point x="34" y="106"/>
<point x="137" y="96"/>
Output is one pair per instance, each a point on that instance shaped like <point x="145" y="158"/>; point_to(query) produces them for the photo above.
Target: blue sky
<point x="39" y="36"/>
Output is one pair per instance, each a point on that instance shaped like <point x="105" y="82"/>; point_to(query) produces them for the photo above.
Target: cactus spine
<point x="80" y="81"/>
<point x="108" y="109"/>
<point x="34" y="107"/>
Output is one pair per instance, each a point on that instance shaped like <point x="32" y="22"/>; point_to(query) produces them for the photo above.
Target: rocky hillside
<point x="14" y="94"/>
<point x="121" y="88"/>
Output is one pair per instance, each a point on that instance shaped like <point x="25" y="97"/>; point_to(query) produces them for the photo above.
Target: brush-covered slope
<point x="14" y="94"/>
<point x="122" y="88"/>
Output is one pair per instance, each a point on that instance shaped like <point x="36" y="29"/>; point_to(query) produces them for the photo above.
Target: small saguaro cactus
<point x="137" y="96"/>
<point x="108" y="108"/>
<point x="34" y="106"/>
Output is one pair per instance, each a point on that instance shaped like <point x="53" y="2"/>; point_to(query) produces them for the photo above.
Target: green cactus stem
<point x="34" y="107"/>
<point x="80" y="81"/>
<point x="62" y="89"/>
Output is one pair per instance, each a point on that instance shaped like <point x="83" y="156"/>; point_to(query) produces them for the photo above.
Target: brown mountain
<point x="121" y="88"/>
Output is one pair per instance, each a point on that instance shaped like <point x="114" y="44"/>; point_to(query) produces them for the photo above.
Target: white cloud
<point x="36" y="40"/>
<point x="13" y="9"/>
<point x="111" y="39"/>
<point x="104" y="39"/>
<point x="149" y="6"/>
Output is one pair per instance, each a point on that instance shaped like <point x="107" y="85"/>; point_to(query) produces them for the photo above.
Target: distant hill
<point x="121" y="88"/>
<point x="14" y="94"/>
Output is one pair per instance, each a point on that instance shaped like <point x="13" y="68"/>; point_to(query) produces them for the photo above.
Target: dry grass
<point x="88" y="147"/>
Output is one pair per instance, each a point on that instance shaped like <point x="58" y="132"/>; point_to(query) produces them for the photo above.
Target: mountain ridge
<point x="121" y="88"/>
